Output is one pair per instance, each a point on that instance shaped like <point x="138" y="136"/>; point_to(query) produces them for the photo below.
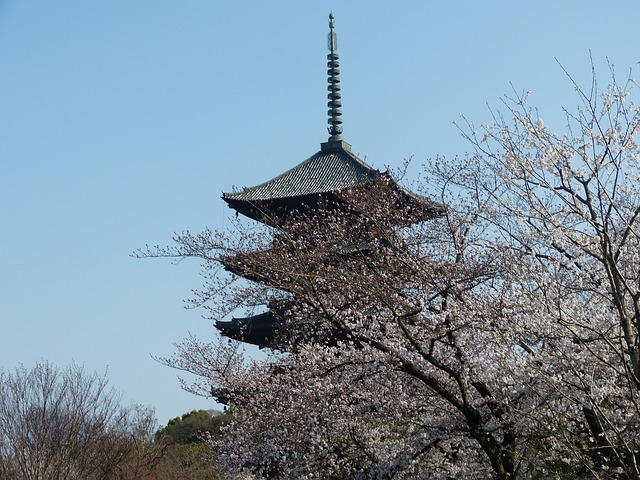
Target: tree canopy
<point x="192" y="427"/>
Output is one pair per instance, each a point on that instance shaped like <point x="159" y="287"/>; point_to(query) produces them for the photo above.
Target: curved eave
<point x="251" y="266"/>
<point x="421" y="207"/>
<point x="257" y="330"/>
<point x="273" y="211"/>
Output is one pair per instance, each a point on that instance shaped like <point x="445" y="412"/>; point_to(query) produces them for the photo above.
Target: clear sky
<point x="123" y="121"/>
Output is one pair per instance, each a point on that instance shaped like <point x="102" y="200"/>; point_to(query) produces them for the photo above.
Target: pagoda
<point x="320" y="180"/>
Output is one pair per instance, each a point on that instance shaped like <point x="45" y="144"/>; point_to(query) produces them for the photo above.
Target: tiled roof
<point x="326" y="171"/>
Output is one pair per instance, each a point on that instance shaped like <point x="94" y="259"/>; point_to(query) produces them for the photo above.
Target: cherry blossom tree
<point x="397" y="357"/>
<point x="498" y="341"/>
<point x="571" y="203"/>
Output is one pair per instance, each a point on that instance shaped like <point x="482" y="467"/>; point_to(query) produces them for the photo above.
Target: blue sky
<point x="122" y="122"/>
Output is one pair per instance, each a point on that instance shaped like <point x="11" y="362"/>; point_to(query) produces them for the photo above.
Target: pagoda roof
<point x="331" y="170"/>
<point x="328" y="170"/>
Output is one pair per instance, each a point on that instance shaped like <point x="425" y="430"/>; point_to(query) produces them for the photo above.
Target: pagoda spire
<point x="334" y="104"/>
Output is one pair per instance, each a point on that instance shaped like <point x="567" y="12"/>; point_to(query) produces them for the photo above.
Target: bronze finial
<point x="334" y="104"/>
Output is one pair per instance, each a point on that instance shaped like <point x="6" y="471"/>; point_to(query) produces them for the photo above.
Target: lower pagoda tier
<point x="257" y="330"/>
<point x="266" y="330"/>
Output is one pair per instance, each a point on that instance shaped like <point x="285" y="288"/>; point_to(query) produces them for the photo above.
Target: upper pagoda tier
<point x="321" y="178"/>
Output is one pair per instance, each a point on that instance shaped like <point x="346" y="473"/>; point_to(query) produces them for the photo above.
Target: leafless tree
<point x="67" y="424"/>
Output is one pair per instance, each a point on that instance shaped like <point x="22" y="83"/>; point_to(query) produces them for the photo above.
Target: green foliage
<point x="192" y="427"/>
<point x="185" y="454"/>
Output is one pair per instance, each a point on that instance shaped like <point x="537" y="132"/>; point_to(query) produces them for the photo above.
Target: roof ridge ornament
<point x="334" y="104"/>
